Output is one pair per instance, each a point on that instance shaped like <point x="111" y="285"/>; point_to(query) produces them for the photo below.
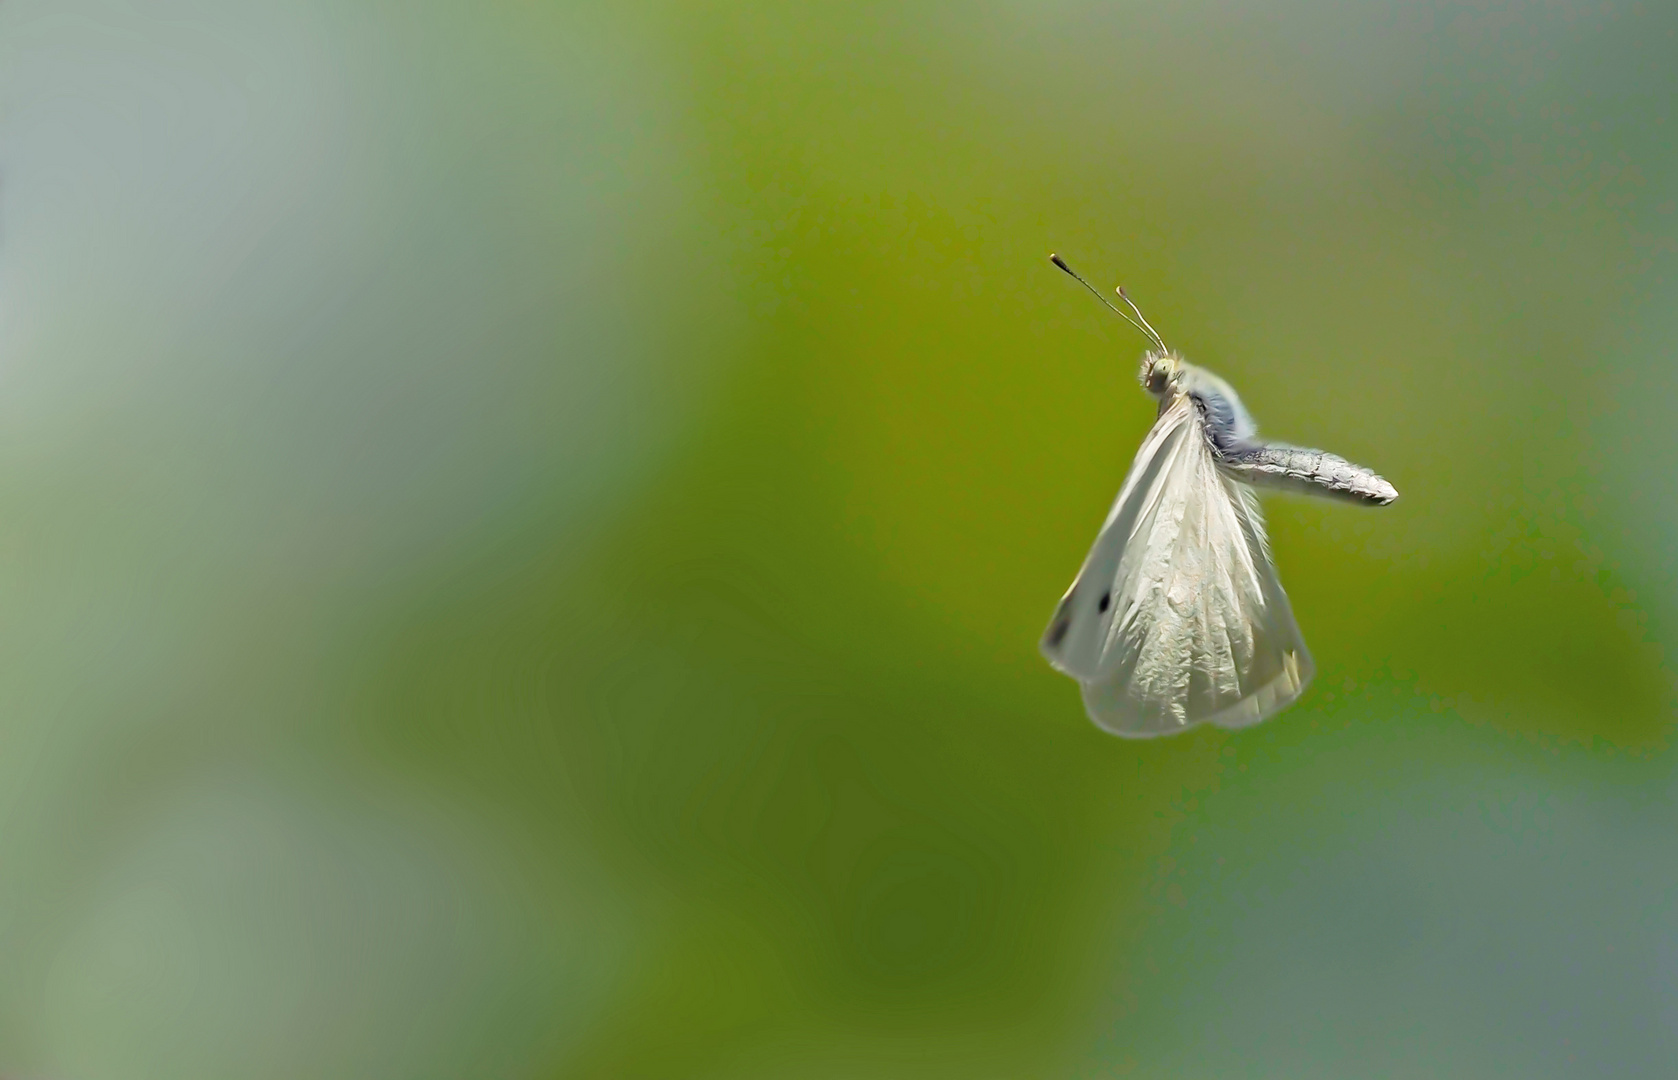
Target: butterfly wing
<point x="1076" y="639"/>
<point x="1177" y="617"/>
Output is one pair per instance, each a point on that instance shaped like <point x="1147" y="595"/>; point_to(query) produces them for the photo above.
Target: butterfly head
<point x="1160" y="372"/>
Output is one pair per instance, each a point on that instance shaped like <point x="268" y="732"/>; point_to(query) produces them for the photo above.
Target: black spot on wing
<point x="1106" y="602"/>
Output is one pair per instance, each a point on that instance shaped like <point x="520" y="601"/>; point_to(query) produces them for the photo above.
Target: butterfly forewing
<point x="1177" y="616"/>
<point x="1076" y="638"/>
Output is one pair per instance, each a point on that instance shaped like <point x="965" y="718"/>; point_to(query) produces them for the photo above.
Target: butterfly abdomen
<point x="1233" y="437"/>
<point x="1314" y="472"/>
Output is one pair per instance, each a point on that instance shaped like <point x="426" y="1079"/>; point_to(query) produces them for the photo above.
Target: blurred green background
<point x="524" y="529"/>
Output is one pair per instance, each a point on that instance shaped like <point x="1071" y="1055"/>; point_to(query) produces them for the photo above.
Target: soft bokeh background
<point x="524" y="529"/>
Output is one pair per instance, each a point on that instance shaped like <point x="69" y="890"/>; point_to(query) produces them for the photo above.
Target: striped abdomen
<point x="1233" y="436"/>
<point x="1296" y="468"/>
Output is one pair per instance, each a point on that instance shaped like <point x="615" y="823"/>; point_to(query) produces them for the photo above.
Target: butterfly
<point x="1177" y="617"/>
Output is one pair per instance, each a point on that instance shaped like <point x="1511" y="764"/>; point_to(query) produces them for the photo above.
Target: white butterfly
<point x="1177" y="617"/>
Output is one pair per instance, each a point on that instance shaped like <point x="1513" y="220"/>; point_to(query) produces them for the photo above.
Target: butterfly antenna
<point x="1151" y="332"/>
<point x="1142" y="326"/>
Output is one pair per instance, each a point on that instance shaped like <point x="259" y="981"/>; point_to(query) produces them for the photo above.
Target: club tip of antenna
<point x="1060" y="262"/>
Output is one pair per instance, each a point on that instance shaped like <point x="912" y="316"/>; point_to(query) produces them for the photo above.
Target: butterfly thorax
<point x="1167" y="376"/>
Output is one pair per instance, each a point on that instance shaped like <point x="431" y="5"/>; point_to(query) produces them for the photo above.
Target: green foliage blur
<point x="526" y="527"/>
